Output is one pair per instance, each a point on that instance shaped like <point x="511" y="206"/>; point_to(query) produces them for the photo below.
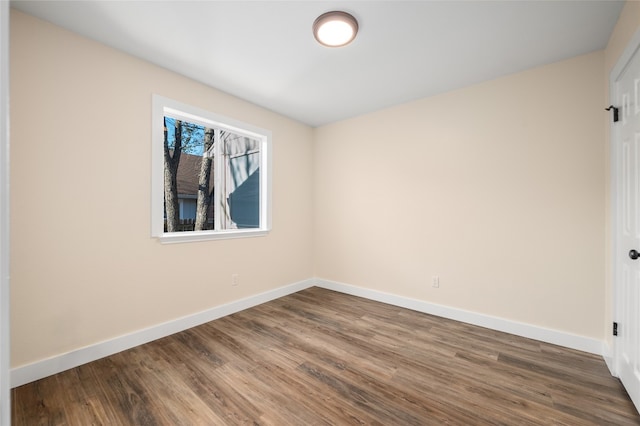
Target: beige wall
<point x="84" y="268"/>
<point x="626" y="27"/>
<point x="497" y="188"/>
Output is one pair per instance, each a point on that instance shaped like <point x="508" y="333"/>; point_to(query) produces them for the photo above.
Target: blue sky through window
<point x="192" y="136"/>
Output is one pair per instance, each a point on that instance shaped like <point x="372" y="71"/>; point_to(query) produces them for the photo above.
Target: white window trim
<point x="162" y="106"/>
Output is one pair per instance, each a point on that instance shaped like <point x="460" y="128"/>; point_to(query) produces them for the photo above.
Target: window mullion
<point x="217" y="172"/>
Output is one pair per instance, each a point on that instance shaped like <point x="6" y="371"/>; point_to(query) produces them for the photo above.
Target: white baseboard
<point x="607" y="354"/>
<point x="47" y="367"/>
<point x="56" y="364"/>
<point x="555" y="337"/>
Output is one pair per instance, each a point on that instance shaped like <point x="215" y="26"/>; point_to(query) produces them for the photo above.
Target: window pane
<point x="240" y="181"/>
<point x="188" y="181"/>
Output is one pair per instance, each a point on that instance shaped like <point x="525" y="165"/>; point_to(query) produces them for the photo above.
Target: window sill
<point x="189" y="237"/>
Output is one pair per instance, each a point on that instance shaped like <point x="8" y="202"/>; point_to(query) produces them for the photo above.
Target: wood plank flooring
<point x="323" y="358"/>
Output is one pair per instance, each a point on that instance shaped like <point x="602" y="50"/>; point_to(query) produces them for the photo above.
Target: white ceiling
<point x="264" y="51"/>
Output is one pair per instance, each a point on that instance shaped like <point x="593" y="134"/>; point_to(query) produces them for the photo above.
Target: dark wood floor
<point x="323" y="358"/>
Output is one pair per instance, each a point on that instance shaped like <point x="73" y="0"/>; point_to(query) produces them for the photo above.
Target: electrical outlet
<point x="234" y="279"/>
<point x="435" y="281"/>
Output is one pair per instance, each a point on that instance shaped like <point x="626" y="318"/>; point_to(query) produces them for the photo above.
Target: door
<point x="626" y="136"/>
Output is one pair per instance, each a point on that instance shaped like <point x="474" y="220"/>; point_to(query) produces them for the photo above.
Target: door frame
<point x="632" y="47"/>
<point x="5" y="380"/>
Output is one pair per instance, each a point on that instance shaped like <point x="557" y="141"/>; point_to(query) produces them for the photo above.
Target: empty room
<point x="224" y="212"/>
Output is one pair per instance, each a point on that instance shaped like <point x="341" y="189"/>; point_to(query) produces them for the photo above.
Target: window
<point x="210" y="175"/>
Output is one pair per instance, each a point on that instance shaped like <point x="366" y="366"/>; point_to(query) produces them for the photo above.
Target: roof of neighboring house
<point x="188" y="175"/>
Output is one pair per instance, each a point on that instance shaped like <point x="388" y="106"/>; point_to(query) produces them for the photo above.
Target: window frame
<point x="162" y="106"/>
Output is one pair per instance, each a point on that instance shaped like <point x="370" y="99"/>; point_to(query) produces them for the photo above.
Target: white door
<point x="627" y="287"/>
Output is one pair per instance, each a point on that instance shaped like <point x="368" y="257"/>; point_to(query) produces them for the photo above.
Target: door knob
<point x="633" y="254"/>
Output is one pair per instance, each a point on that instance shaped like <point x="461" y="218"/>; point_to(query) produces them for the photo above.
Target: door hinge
<point x="615" y="113"/>
<point x="615" y="328"/>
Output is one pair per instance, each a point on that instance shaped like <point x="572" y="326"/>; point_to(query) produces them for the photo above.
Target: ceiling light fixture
<point x="335" y="29"/>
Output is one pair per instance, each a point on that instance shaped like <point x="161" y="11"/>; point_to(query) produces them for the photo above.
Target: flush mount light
<point x="335" y="29"/>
